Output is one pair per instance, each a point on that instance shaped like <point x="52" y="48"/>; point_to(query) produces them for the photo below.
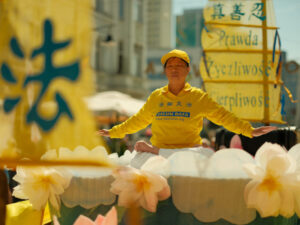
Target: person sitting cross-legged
<point x="176" y="112"/>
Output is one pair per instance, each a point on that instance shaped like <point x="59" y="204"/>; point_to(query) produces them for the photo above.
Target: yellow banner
<point x="239" y="12"/>
<point x="247" y="100"/>
<point x="235" y="38"/>
<point x="45" y="72"/>
<point x="240" y="66"/>
<point x="237" y="67"/>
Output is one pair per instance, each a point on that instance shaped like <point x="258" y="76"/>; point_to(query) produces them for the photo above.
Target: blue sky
<point x="287" y="14"/>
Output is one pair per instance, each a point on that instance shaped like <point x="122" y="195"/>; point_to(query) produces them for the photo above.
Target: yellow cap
<point x="175" y="53"/>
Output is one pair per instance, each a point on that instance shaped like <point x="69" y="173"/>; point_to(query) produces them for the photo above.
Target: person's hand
<point x="262" y="130"/>
<point x="103" y="132"/>
<point x="142" y="146"/>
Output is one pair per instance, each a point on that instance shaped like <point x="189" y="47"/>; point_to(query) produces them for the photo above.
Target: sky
<point x="287" y="13"/>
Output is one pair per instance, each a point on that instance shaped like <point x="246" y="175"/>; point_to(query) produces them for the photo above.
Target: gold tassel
<point x="289" y="94"/>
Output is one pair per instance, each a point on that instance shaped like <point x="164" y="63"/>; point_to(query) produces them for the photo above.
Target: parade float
<point x="183" y="186"/>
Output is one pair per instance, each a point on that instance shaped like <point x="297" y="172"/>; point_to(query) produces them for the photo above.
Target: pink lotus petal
<point x="83" y="220"/>
<point x="150" y="202"/>
<point x="99" y="220"/>
<point x="110" y="218"/>
<point x="139" y="187"/>
<point x="164" y="193"/>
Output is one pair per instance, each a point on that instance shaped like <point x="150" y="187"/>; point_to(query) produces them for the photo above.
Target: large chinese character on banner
<point x="44" y="75"/>
<point x="241" y="63"/>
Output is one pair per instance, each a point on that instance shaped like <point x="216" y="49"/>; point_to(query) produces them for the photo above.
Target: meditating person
<point x="176" y="112"/>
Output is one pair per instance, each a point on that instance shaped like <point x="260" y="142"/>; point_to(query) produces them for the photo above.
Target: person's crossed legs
<point x="143" y="146"/>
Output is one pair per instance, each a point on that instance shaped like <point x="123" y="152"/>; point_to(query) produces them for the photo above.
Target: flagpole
<point x="265" y="65"/>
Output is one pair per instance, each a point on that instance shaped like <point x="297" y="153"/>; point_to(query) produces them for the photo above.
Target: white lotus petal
<point x="287" y="208"/>
<point x="18" y="192"/>
<point x="65" y="153"/>
<point x="250" y="186"/>
<point x="206" y="151"/>
<point x="295" y="149"/>
<point x="266" y="203"/>
<point x="80" y="148"/>
<point x="98" y="154"/>
<point x="294" y="152"/>
<point x="126" y="158"/>
<point x="158" y="165"/>
<point x="38" y="198"/>
<point x="296" y="193"/>
<point x="278" y="164"/>
<point x="267" y="151"/>
<point x="272" y="191"/>
<point x="101" y="149"/>
<point x="253" y="171"/>
<point x="113" y="156"/>
<point x="55" y="201"/>
<point x="189" y="163"/>
<point x="123" y="160"/>
<point x="39" y="184"/>
<point x="228" y="164"/>
<point x="50" y="155"/>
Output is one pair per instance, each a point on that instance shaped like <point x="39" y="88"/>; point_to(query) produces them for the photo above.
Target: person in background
<point x="176" y="112"/>
<point x="206" y="143"/>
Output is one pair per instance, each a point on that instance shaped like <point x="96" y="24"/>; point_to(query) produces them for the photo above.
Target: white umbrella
<point x="116" y="101"/>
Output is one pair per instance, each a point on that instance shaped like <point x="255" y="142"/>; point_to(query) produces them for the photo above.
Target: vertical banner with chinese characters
<point x="240" y="64"/>
<point x="44" y="76"/>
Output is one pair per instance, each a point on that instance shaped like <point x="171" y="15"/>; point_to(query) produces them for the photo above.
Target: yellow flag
<point x="45" y="71"/>
<point x="23" y="213"/>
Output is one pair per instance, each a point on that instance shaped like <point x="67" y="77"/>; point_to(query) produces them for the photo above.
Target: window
<point x="104" y="6"/>
<point x="138" y="11"/>
<point x="121" y="9"/>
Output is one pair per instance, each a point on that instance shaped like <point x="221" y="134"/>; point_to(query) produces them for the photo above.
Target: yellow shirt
<point x="177" y="120"/>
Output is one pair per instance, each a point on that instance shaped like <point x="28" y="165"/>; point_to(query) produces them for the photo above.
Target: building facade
<point x="119" y="46"/>
<point x="188" y="28"/>
<point x="298" y="104"/>
<point x="155" y="71"/>
<point x="159" y="24"/>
